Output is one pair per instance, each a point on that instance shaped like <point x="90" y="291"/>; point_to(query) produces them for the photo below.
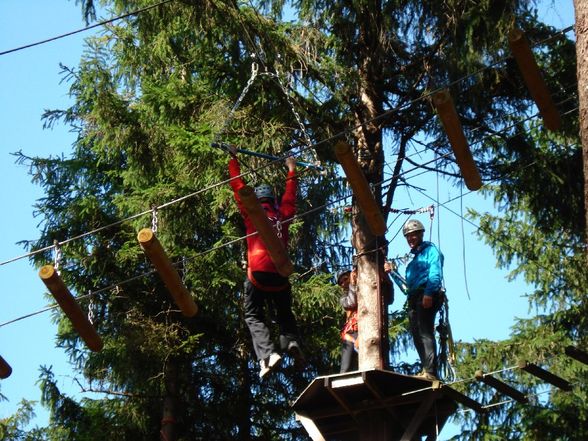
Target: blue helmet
<point x="264" y="191"/>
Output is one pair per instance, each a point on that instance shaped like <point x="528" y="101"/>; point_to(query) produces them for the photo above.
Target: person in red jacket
<point x="263" y="282"/>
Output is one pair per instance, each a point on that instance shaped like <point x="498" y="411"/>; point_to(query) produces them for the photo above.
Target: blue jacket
<point x="425" y="270"/>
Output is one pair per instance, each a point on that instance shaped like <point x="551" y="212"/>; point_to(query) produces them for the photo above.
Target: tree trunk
<point x="368" y="135"/>
<point x="581" y="11"/>
<point x="169" y="420"/>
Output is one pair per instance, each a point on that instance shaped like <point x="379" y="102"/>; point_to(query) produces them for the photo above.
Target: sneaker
<point x="296" y="353"/>
<point x="269" y="363"/>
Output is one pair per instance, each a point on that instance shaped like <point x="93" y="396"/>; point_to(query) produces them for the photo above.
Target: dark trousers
<point x="422" y="327"/>
<point x="348" y="355"/>
<point x="255" y="318"/>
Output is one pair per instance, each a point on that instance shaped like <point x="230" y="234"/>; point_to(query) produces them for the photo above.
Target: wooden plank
<point x="463" y="399"/>
<point x="274" y="245"/>
<point x="5" y="369"/>
<point x="156" y="254"/>
<point x="577" y="354"/>
<point x="70" y="307"/>
<point x="361" y="189"/>
<point x="451" y="123"/>
<point x="502" y="387"/>
<point x="527" y="64"/>
<point x="418" y="417"/>
<point x="546" y="376"/>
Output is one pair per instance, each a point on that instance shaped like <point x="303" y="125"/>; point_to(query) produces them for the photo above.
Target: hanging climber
<point x="424" y="277"/>
<point x="263" y="282"/>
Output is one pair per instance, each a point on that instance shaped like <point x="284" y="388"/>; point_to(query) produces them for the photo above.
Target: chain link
<point x="229" y="119"/>
<point x="91" y="309"/>
<point x="57" y="256"/>
<point x="154" y="220"/>
<point x="307" y="140"/>
<point x="278" y="228"/>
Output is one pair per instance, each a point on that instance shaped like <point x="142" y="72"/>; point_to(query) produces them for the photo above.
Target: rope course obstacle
<point x="70" y="307"/>
<point x="346" y="407"/>
<point x="156" y="254"/>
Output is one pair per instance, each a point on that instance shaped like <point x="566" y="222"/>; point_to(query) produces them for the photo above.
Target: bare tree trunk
<point x="372" y="315"/>
<point x="581" y="10"/>
<point x="169" y="420"/>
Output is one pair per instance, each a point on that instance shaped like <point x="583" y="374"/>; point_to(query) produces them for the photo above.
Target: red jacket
<point x="258" y="258"/>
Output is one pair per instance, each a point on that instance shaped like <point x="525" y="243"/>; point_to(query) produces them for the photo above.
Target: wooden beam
<point x="463" y="399"/>
<point x="577" y="354"/>
<point x="450" y="120"/>
<point x="156" y="254"/>
<point x="70" y="307"/>
<point x="501" y="387"/>
<point x="418" y="417"/>
<point x="546" y="376"/>
<point x="361" y="189"/>
<point x="311" y="428"/>
<point x="519" y="45"/>
<point x="275" y="247"/>
<point x="5" y="369"/>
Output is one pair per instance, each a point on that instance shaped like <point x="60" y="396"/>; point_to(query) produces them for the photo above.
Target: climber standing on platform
<point x="263" y="282"/>
<point x="347" y="280"/>
<point x="424" y="277"/>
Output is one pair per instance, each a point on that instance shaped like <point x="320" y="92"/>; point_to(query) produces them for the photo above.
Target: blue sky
<point x="30" y="82"/>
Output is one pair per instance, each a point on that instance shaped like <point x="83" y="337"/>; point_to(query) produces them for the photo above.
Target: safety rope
<point x="446" y="354"/>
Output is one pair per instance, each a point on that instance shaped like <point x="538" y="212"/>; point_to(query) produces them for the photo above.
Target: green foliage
<point x="152" y="93"/>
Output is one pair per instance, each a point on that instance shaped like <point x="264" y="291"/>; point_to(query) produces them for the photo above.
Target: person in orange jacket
<point x="263" y="282"/>
<point x="347" y="280"/>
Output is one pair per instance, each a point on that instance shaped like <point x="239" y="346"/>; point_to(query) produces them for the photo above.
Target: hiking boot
<point x="296" y="353"/>
<point x="268" y="364"/>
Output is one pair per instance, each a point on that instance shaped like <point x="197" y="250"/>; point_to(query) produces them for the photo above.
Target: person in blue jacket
<point x="424" y="278"/>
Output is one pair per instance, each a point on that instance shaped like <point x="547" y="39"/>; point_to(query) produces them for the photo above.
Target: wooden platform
<point x="387" y="405"/>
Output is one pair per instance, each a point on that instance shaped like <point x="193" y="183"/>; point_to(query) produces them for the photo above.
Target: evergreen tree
<point x="157" y="87"/>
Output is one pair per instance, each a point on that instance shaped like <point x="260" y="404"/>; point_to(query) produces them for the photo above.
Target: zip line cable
<point x="223" y="245"/>
<point x="243" y="174"/>
<point x="99" y="24"/>
<point x="384" y="114"/>
<point x="200" y="254"/>
<point x="190" y="195"/>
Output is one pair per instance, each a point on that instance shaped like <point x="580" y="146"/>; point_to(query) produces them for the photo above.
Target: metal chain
<point x="297" y="116"/>
<point x="57" y="256"/>
<point x="154" y="220"/>
<point x="229" y="119"/>
<point x="91" y="309"/>
<point x="278" y="228"/>
<point x="184" y="265"/>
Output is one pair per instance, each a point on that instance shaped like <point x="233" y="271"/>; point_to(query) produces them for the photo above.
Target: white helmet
<point x="411" y="226"/>
<point x="264" y="191"/>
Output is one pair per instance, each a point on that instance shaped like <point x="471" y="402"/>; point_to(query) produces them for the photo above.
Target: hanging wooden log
<point x="70" y="307"/>
<point x="519" y="45"/>
<point x="501" y="387"/>
<point x="5" y="369"/>
<point x="361" y="189"/>
<point x="275" y="247"/>
<point x="577" y="354"/>
<point x="546" y="376"/>
<point x="450" y="120"/>
<point x="156" y="254"/>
